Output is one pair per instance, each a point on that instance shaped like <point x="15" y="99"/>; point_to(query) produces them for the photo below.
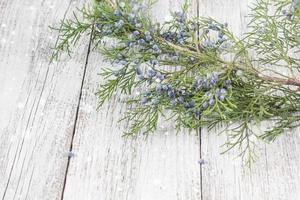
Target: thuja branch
<point x="196" y="69"/>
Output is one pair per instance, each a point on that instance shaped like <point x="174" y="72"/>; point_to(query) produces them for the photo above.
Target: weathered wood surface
<point x="49" y="109"/>
<point x="38" y="101"/>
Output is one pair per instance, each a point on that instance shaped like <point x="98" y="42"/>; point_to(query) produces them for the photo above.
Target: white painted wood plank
<point x="276" y="174"/>
<point x="107" y="166"/>
<point x="38" y="101"/>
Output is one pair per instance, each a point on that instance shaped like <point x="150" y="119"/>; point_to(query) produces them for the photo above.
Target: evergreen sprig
<point x="196" y="69"/>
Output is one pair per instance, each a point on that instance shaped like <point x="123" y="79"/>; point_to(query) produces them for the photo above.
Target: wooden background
<point x="48" y="110"/>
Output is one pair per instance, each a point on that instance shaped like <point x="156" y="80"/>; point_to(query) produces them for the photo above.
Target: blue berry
<point x="179" y="17"/>
<point x="171" y="94"/>
<point x="136" y="33"/>
<point x="158" y="88"/>
<point x="148" y="38"/>
<point x="155" y="47"/>
<point x="99" y="26"/>
<point x="140" y="77"/>
<point x="120" y="56"/>
<point x="174" y="58"/>
<point x="211" y="101"/>
<point x="160" y="77"/>
<point x="131" y="17"/>
<point x="285" y="12"/>
<point x="144" y="100"/>
<point x="117" y="13"/>
<point x="213" y="27"/>
<point x="123" y="62"/>
<point x="181" y="99"/>
<point x="201" y="162"/>
<point x="151" y="73"/>
<point x="153" y="62"/>
<point x="227" y="83"/>
<point x="141" y="41"/>
<point x="119" y="24"/>
<point x="138" y="71"/>
<point x="180" y="41"/>
<point x="165" y="87"/>
<point x="221" y="97"/>
<point x="205" y="105"/>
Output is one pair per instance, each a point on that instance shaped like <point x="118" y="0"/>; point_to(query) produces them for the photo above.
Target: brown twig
<point x="289" y="81"/>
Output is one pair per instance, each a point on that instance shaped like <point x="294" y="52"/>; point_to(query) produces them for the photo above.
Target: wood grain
<point x="48" y="109"/>
<point x="38" y="100"/>
<point x="275" y="174"/>
<point x="106" y="166"/>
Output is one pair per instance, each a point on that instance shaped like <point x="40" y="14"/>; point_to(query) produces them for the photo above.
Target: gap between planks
<point x="76" y="115"/>
<point x="199" y="129"/>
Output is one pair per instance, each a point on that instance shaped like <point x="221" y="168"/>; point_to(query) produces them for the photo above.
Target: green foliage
<point x="197" y="69"/>
<point x="70" y="31"/>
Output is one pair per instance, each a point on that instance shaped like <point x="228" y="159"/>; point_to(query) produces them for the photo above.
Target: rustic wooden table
<point x="48" y="110"/>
